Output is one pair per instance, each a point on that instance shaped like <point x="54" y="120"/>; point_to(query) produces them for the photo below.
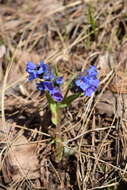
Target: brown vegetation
<point x="71" y="35"/>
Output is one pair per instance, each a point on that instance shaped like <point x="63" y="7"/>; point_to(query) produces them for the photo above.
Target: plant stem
<point x="58" y="139"/>
<point x="58" y="119"/>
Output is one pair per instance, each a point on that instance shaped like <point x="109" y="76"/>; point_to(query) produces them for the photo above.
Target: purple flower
<point x="87" y="83"/>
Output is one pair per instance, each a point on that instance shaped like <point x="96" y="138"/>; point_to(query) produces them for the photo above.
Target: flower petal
<point x="30" y="66"/>
<point x="48" y="85"/>
<point x="89" y="91"/>
<point x="40" y="86"/>
<point x="48" y="75"/>
<point x="44" y="66"/>
<point x="56" y="95"/>
<point x="92" y="71"/>
<point x="88" y="83"/>
<point x="59" y="80"/>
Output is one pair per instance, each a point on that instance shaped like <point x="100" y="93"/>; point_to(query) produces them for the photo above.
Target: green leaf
<point x="53" y="108"/>
<point x="49" y="98"/>
<point x="91" y="19"/>
<point x="56" y="72"/>
<point x="68" y="100"/>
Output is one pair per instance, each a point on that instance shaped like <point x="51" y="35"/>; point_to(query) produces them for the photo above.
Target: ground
<point x="70" y="35"/>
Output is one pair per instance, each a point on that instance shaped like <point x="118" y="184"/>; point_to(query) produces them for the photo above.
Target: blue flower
<point x="48" y="81"/>
<point x="36" y="71"/>
<point x="53" y="91"/>
<point x="48" y="76"/>
<point x="40" y="86"/>
<point x="87" y="83"/>
<point x="81" y="83"/>
<point x="31" y="68"/>
<point x="89" y="91"/>
<point x="92" y="71"/>
<point x="48" y="85"/>
<point x="59" y="80"/>
<point x="44" y="66"/>
<point x="56" y="95"/>
<point x="45" y="85"/>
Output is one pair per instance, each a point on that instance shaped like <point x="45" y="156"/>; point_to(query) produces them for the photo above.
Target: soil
<point x="70" y="35"/>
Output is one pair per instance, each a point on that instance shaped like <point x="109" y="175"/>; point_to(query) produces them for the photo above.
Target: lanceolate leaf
<point x="54" y="109"/>
<point x="68" y="100"/>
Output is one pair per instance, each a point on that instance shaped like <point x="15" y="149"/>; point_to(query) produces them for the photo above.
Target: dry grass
<point x="72" y="35"/>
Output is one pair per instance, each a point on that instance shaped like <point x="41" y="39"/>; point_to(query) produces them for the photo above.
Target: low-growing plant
<point x="49" y="82"/>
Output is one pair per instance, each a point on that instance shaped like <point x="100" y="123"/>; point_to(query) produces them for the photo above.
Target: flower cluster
<point x="87" y="83"/>
<point x="48" y="81"/>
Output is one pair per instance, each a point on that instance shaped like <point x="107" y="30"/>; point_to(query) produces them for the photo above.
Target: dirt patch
<point x="69" y="35"/>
